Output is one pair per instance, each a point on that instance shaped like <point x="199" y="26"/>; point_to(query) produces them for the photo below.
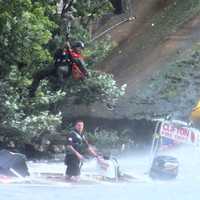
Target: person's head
<point x="79" y="126"/>
<point x="78" y="46"/>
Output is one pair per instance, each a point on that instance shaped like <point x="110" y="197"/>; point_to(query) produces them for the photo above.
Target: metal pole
<point x="155" y="143"/>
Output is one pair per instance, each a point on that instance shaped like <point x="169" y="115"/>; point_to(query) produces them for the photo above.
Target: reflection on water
<point x="185" y="187"/>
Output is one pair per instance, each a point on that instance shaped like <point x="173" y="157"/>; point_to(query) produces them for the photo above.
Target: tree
<point x="25" y="29"/>
<point x="29" y="35"/>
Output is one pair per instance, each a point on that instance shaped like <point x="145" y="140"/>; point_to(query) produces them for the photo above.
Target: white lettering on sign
<point x="180" y="133"/>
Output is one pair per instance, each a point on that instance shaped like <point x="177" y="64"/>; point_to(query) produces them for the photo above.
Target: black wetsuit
<point x="80" y="144"/>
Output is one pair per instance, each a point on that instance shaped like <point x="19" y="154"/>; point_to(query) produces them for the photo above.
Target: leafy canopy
<point x="30" y="32"/>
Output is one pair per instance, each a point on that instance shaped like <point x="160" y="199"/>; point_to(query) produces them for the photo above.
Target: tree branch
<point x="66" y="7"/>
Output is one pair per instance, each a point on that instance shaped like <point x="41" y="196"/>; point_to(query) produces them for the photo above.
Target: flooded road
<point x="184" y="187"/>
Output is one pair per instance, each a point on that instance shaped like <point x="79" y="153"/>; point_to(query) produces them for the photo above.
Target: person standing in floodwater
<point x="76" y="147"/>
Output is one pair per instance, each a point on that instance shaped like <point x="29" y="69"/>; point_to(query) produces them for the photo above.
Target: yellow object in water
<point x="195" y="115"/>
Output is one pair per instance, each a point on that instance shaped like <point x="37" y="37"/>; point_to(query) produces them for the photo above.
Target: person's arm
<point x="74" y="151"/>
<point x="99" y="158"/>
<point x="92" y="151"/>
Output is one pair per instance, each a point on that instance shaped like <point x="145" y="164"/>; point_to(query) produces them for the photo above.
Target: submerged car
<point x="13" y="164"/>
<point x="164" y="167"/>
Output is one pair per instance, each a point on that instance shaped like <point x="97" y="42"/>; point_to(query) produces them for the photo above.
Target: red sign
<point x="180" y="133"/>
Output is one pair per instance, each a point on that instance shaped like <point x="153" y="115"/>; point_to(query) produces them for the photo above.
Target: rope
<point x="129" y="18"/>
<point x="112" y="27"/>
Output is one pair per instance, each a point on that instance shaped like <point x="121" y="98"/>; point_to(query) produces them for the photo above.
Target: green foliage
<point x="97" y="51"/>
<point x="89" y="10"/>
<point x="30" y="32"/>
<point x="105" y="139"/>
<point x="30" y="116"/>
<point x="108" y="139"/>
<point x="99" y="87"/>
<point x="24" y="30"/>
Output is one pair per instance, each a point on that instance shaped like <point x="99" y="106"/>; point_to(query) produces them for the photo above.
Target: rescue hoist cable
<point x="129" y="18"/>
<point x="112" y="27"/>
